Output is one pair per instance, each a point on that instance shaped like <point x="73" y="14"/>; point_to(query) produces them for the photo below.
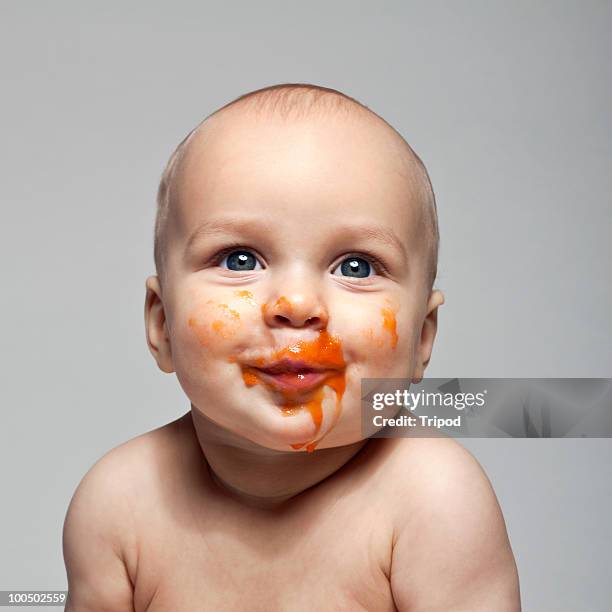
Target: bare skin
<point x="262" y="500"/>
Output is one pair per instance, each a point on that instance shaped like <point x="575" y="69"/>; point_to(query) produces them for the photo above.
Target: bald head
<point x="291" y="103"/>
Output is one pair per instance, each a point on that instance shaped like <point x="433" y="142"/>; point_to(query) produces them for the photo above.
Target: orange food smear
<point x="249" y="378"/>
<point x="390" y="325"/>
<point x="369" y="334"/>
<point x="282" y="300"/>
<point x="326" y="351"/>
<point x="222" y="327"/>
<point x="234" y="314"/>
<point x="247" y="295"/>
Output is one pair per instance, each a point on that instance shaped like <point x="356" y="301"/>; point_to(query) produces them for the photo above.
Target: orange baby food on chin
<point x="326" y="352"/>
<point x="338" y="384"/>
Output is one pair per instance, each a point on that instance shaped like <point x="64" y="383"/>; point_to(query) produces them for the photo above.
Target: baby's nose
<point x="296" y="310"/>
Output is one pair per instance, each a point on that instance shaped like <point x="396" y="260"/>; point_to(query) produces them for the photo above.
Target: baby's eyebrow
<point x="253" y="225"/>
<point x="379" y="233"/>
<point x="227" y="225"/>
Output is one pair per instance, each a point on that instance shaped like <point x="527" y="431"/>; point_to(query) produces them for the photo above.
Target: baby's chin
<point x="272" y="424"/>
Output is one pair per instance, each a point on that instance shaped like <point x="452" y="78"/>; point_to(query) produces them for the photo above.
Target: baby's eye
<point x="355" y="267"/>
<point x="241" y="261"/>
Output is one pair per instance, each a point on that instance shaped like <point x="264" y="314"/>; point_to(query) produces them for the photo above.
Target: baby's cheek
<point x="380" y="330"/>
<point x="215" y="323"/>
<point x="385" y="340"/>
<point x="210" y="322"/>
<point x="383" y="334"/>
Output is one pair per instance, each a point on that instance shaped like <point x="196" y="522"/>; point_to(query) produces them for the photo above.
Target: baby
<point x="296" y="250"/>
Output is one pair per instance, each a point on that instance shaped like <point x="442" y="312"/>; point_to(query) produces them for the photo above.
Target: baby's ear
<point x="155" y="326"/>
<point x="428" y="335"/>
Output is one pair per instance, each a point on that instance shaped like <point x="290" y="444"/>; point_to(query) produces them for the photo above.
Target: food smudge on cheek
<point x="324" y="353"/>
<point x="247" y="296"/>
<point x="389" y="325"/>
<point x="225" y="326"/>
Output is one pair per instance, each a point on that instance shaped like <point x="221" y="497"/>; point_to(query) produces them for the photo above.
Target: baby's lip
<point x="294" y="378"/>
<point x="292" y="365"/>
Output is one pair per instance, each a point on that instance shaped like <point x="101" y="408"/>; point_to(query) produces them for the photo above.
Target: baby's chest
<point x="341" y="564"/>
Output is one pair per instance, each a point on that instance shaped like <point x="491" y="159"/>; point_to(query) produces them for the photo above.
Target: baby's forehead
<point x="223" y="132"/>
<point x="354" y="155"/>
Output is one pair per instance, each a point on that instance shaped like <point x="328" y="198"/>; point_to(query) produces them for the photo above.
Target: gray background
<point x="509" y="106"/>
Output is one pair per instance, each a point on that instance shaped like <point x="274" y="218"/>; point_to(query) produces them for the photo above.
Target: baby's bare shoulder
<point x="131" y="470"/>
<point x="431" y="466"/>
<point x="106" y="515"/>
<point x="434" y="480"/>
<point x="450" y="544"/>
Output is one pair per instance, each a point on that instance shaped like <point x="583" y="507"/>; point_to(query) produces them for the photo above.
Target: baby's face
<point x="296" y="266"/>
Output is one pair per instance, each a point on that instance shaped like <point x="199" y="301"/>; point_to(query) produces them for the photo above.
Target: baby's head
<point x="296" y="248"/>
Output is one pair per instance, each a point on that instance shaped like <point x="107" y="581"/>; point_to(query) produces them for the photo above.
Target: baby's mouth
<point x="298" y="373"/>
<point x="294" y="375"/>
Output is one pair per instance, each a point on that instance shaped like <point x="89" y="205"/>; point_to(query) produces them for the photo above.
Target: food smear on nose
<point x="283" y="301"/>
<point x="326" y="351"/>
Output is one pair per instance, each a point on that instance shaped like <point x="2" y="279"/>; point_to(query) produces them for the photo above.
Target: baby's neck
<point x="264" y="478"/>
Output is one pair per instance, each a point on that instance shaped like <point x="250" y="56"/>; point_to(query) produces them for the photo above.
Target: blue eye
<point x="240" y="261"/>
<point x="355" y="267"/>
